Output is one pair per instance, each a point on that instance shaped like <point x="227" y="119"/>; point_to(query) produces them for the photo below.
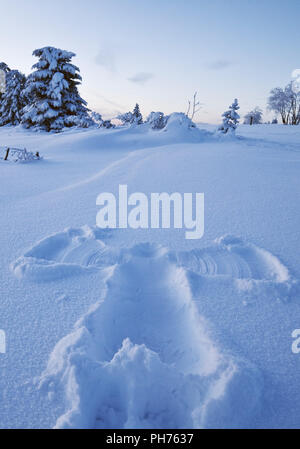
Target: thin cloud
<point x="110" y="102"/>
<point x="107" y="113"/>
<point x="106" y="59"/>
<point x="220" y="64"/>
<point x="141" y="78"/>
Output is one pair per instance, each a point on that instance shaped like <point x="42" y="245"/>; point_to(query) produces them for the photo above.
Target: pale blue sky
<point x="159" y="52"/>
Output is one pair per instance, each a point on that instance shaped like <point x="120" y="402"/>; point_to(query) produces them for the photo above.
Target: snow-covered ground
<point x="134" y="329"/>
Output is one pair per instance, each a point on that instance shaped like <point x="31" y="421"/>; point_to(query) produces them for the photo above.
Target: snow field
<point x="179" y="334"/>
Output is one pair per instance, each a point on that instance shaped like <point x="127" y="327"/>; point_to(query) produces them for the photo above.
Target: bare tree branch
<point x="193" y="110"/>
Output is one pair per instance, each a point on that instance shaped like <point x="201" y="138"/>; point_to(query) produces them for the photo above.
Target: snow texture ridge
<point x="75" y="250"/>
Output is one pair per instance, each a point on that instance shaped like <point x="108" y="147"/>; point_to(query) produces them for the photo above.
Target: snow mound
<point x="143" y="357"/>
<point x="179" y="119"/>
<point x="181" y="127"/>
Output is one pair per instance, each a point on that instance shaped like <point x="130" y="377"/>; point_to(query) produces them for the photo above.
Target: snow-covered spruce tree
<point x="4" y="67"/>
<point x="4" y="71"/>
<point x="137" y="118"/>
<point x="12" y="100"/>
<point x="132" y="118"/>
<point x="230" y="119"/>
<point x="157" y="120"/>
<point x="52" y="93"/>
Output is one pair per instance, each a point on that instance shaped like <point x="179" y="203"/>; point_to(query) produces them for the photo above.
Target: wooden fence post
<point x="7" y="153"/>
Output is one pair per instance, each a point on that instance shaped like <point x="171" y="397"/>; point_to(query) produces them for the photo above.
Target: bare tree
<point x="194" y="107"/>
<point x="285" y="102"/>
<point x="254" y="117"/>
<point x="295" y="107"/>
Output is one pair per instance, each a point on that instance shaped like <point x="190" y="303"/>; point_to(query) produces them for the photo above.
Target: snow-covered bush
<point x="107" y="124"/>
<point x="254" y="117"/>
<point x="96" y="117"/>
<point x="52" y="92"/>
<point x="25" y="156"/>
<point x="132" y="118"/>
<point x="98" y="120"/>
<point x="12" y="100"/>
<point x="230" y="119"/>
<point x="126" y="118"/>
<point x="18" y="155"/>
<point x="157" y="120"/>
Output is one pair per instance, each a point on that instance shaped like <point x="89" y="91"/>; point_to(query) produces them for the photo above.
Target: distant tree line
<point x="284" y="102"/>
<point x="48" y="99"/>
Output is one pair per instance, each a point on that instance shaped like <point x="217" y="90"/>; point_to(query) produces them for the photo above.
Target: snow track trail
<point x="143" y="356"/>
